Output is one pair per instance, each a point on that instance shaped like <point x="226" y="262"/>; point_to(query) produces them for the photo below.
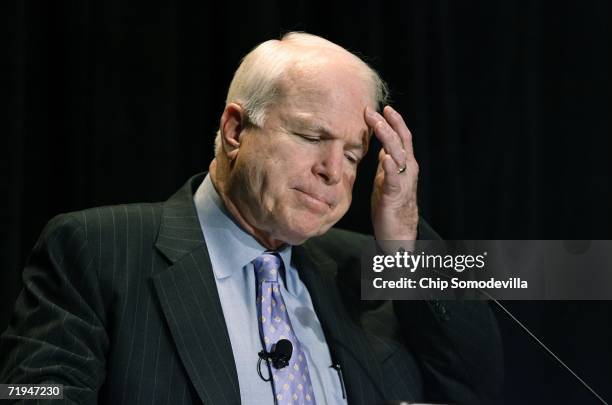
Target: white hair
<point x="256" y="83"/>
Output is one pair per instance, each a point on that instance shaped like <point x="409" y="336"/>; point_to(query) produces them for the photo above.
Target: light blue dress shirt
<point x="231" y="252"/>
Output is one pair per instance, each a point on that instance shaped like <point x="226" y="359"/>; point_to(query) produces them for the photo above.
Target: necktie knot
<point x="267" y="267"/>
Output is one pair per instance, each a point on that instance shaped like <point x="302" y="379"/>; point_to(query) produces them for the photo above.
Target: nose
<point x="329" y="165"/>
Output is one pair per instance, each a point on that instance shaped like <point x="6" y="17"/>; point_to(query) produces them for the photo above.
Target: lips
<point x="316" y="197"/>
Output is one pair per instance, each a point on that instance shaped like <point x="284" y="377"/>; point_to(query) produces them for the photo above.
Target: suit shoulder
<point x="107" y="215"/>
<point x="107" y="218"/>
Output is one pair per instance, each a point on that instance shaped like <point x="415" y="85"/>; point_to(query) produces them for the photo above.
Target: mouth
<point x="313" y="199"/>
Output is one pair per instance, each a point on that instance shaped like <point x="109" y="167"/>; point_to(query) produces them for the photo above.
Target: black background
<point x="509" y="103"/>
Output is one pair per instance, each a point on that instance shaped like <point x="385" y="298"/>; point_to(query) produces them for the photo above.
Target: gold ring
<point x="401" y="170"/>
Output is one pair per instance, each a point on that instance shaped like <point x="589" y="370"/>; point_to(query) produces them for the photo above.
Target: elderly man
<point x="178" y="302"/>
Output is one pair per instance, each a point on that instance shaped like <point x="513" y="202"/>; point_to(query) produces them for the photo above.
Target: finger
<point x="412" y="167"/>
<point x="391" y="141"/>
<point x="387" y="165"/>
<point x="392" y="178"/>
<point x="399" y="126"/>
<point x="379" y="168"/>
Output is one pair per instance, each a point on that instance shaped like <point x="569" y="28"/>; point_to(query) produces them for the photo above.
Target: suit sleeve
<point x="457" y="344"/>
<point x="57" y="332"/>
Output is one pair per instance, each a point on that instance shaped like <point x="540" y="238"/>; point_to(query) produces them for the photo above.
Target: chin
<point x="296" y="226"/>
<point x="299" y="234"/>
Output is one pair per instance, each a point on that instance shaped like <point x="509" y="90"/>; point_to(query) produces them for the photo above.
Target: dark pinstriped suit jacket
<point x="120" y="305"/>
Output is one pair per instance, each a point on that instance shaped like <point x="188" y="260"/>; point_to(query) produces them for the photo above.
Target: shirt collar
<point x="230" y="247"/>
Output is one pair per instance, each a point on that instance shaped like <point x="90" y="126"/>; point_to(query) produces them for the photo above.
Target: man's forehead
<point x="328" y="98"/>
<point x="314" y="100"/>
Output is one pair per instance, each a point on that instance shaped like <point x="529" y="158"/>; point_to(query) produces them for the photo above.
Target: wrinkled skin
<point x="292" y="178"/>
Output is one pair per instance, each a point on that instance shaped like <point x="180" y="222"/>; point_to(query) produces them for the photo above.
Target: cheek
<point x="251" y="183"/>
<point x="348" y="182"/>
<point x="346" y="193"/>
<point x="269" y="184"/>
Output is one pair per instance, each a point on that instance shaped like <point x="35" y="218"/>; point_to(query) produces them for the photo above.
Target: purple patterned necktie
<point x="291" y="384"/>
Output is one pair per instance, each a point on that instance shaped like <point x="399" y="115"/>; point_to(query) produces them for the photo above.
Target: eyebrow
<point x="317" y="126"/>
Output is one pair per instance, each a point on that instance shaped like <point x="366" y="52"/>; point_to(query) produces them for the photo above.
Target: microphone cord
<point x="531" y="334"/>
<point x="539" y="342"/>
<point x="263" y="356"/>
<point x="535" y="338"/>
<point x="363" y="368"/>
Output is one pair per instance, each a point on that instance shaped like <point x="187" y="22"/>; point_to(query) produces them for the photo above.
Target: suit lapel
<point x="188" y="295"/>
<point x="347" y="342"/>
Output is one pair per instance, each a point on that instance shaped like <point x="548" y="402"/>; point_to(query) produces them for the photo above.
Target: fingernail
<point x="369" y="112"/>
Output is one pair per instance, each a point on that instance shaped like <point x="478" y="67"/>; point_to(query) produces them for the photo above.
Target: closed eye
<point x="309" y="138"/>
<point x="315" y="140"/>
<point x="351" y="159"/>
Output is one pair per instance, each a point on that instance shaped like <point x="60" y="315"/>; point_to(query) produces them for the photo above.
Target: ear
<point x="231" y="128"/>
